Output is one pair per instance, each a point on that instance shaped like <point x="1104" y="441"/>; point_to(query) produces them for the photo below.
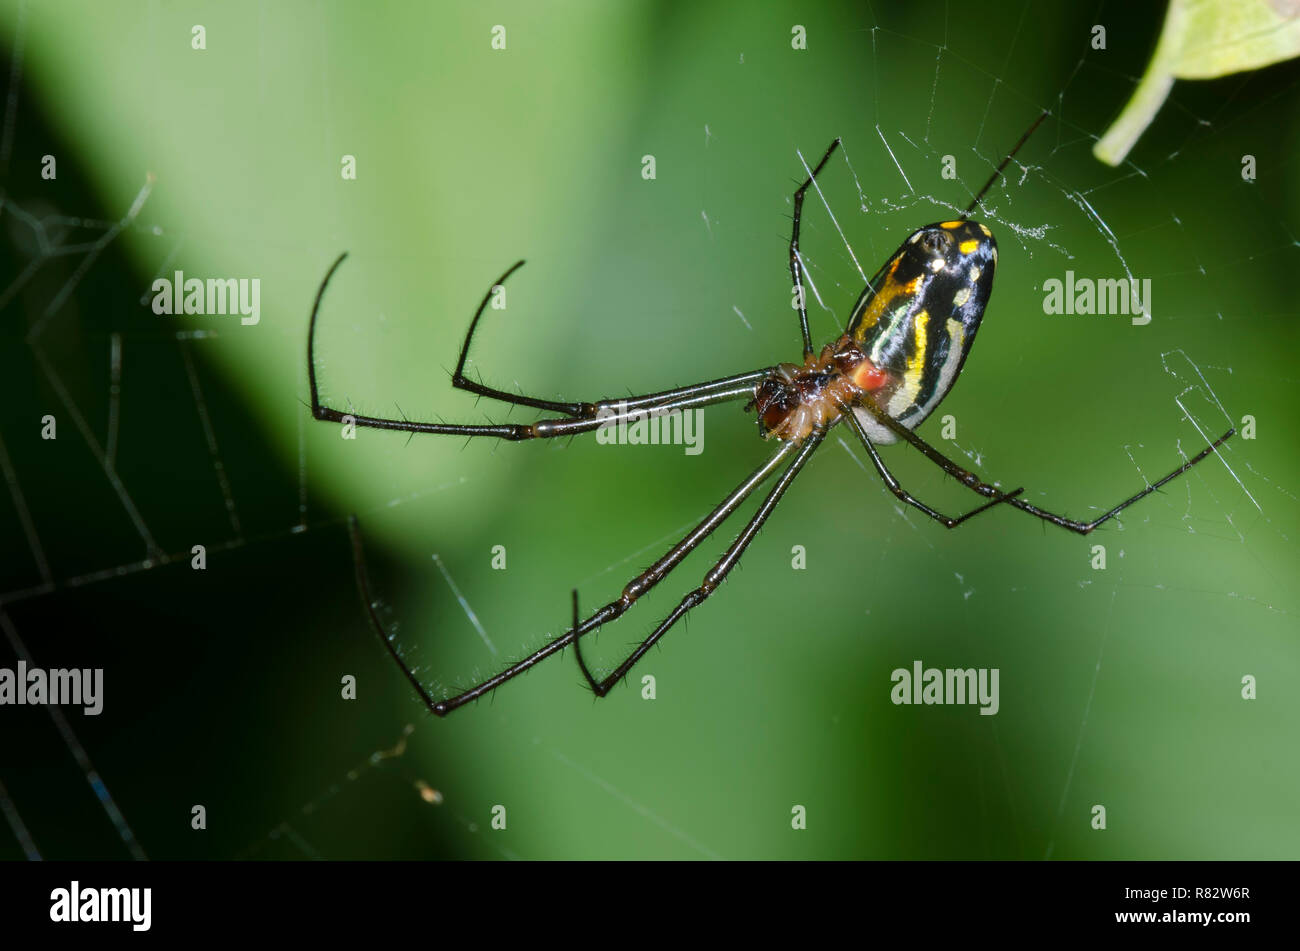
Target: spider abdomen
<point x="906" y="342"/>
<point x="916" y="326"/>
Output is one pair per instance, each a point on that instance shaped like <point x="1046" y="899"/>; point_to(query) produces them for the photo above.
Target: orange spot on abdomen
<point x="869" y="377"/>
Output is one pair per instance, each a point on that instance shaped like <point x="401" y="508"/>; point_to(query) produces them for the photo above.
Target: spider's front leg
<point x="578" y="410"/>
<point x="583" y="417"/>
<point x="796" y="262"/>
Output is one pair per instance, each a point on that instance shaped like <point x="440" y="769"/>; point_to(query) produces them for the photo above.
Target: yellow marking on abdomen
<point x="968" y="247"/>
<point x="947" y="372"/>
<point x="884" y="299"/>
<point x="906" y="394"/>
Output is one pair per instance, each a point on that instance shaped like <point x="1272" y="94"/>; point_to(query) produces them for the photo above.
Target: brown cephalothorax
<point x="796" y="400"/>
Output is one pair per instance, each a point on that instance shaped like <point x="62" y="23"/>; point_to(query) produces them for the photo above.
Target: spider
<point x="905" y="344"/>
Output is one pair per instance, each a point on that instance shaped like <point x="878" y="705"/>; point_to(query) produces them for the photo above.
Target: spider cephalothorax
<point x="793" y="401"/>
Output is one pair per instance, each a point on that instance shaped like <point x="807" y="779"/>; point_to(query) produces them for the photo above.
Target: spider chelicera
<point x="904" y="347"/>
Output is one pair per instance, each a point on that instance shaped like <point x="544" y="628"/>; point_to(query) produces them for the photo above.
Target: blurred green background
<point x="1119" y="687"/>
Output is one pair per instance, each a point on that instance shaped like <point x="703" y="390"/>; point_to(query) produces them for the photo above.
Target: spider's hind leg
<point x="894" y="486"/>
<point x="975" y="484"/>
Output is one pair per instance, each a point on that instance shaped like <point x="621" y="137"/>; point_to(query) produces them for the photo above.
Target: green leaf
<point x="1203" y="39"/>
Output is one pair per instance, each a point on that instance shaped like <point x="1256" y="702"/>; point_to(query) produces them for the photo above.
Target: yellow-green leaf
<point x="1203" y="39"/>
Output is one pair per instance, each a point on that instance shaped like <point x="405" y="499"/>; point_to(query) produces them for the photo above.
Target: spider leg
<point x="577" y="650"/>
<point x="893" y="485"/>
<point x="1009" y="156"/>
<point x="655" y="400"/>
<point x="634" y="590"/>
<point x="461" y="382"/>
<point x="796" y="265"/>
<point x="714" y="576"/>
<point x="580" y="410"/>
<point x="972" y="482"/>
<point x="368" y="599"/>
<point x="590" y="415"/>
<point x="608" y="414"/>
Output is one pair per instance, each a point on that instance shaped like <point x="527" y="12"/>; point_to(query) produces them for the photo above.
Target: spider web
<point x="94" y="367"/>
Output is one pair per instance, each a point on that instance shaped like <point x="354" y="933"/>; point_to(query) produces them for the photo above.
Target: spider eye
<point x="936" y="242"/>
